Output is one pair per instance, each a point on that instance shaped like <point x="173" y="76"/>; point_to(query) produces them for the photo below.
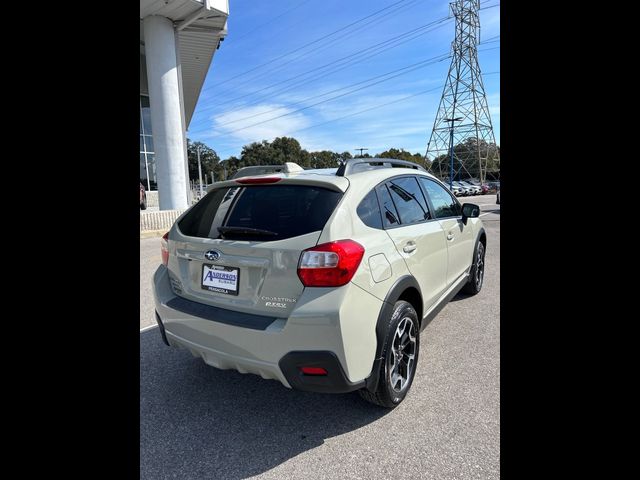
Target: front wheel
<point x="399" y="357"/>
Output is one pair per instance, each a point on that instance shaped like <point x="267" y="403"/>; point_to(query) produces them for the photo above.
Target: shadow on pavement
<point x="200" y="422"/>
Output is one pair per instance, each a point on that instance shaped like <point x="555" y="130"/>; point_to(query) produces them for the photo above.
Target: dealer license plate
<point x="217" y="278"/>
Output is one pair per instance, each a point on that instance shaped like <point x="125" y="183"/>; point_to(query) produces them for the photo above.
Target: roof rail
<point x="349" y="166"/>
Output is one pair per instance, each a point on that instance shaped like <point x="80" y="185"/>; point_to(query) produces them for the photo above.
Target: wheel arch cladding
<point x="482" y="237"/>
<point x="405" y="288"/>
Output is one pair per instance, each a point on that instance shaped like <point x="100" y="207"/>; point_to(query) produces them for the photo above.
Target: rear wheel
<point x="474" y="285"/>
<point x="399" y="358"/>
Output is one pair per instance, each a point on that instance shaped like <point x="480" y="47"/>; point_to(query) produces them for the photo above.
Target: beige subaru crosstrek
<point x="320" y="279"/>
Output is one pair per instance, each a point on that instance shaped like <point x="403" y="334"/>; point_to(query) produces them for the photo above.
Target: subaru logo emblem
<point x="212" y="255"/>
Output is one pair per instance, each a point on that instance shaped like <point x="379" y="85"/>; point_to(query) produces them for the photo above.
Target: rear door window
<point x="260" y="212"/>
<point x="409" y="200"/>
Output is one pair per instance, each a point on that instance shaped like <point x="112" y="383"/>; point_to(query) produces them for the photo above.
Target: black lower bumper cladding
<point x="161" y="328"/>
<point x="334" y="382"/>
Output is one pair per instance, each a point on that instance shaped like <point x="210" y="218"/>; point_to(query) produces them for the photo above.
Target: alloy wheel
<point x="403" y="353"/>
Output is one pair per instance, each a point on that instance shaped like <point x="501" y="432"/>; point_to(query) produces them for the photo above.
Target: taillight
<point x="164" y="249"/>
<point x="331" y="264"/>
<point x="257" y="180"/>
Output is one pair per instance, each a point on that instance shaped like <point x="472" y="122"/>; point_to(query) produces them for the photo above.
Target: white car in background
<point x="474" y="189"/>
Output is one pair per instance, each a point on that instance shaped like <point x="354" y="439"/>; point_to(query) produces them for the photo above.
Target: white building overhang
<point x="200" y="26"/>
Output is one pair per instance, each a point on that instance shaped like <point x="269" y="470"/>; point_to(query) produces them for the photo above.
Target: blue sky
<point x="264" y="70"/>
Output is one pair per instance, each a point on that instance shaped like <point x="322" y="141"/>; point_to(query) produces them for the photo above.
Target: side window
<point x="369" y="211"/>
<point x="444" y="204"/>
<point x="408" y="199"/>
<point x="389" y="213"/>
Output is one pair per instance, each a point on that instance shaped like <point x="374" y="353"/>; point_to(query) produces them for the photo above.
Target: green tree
<point x="227" y="167"/>
<point x="281" y="150"/>
<point x="325" y="159"/>
<point x="402" y="154"/>
<point x="467" y="153"/>
<point x="209" y="160"/>
<point x="289" y="150"/>
<point x="258" y="153"/>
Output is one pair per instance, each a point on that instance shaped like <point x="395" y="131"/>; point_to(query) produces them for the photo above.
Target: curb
<point x="153" y="233"/>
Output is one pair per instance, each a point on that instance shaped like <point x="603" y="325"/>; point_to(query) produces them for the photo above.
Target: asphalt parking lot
<point x="200" y="422"/>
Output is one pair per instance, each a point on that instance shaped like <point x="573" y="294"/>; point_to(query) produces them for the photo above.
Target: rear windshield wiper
<point x="246" y="231"/>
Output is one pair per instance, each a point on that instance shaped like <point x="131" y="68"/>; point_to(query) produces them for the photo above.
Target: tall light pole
<point x="199" y="169"/>
<point x="457" y="119"/>
<point x="361" y="150"/>
<point x="224" y="168"/>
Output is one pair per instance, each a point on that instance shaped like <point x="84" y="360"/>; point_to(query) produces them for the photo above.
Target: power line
<point x="269" y="22"/>
<point x="490" y="6"/>
<point x="327" y="44"/>
<point x="490" y="40"/>
<point x="421" y="64"/>
<point x="408" y="68"/>
<point x="323" y="75"/>
<point x="368" y="109"/>
<point x="324" y="37"/>
<point x="359" y="112"/>
<point x="326" y="73"/>
<point x="323" y="46"/>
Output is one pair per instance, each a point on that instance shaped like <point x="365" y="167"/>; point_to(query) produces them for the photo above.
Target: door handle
<point x="450" y="236"/>
<point x="409" y="247"/>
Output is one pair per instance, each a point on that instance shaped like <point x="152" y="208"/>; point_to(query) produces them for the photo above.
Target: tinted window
<point x="444" y="204"/>
<point x="389" y="213"/>
<point x="197" y="223"/>
<point x="284" y="210"/>
<point x="408" y="199"/>
<point x="369" y="211"/>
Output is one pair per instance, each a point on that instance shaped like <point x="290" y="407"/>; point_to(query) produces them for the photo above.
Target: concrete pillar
<point x="166" y="118"/>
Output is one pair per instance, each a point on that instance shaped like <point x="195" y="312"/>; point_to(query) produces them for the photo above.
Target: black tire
<point x="476" y="278"/>
<point x="387" y="395"/>
<point x="143" y="205"/>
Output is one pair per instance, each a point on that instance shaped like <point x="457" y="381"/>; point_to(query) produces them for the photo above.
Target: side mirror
<point x="470" y="210"/>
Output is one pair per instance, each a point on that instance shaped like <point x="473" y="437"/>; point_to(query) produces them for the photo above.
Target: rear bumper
<point x="335" y="381"/>
<point x="323" y="330"/>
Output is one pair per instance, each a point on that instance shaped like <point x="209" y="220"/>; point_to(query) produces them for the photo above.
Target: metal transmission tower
<point x="462" y="137"/>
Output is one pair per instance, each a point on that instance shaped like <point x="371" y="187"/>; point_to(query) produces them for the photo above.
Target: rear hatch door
<point x="239" y="247"/>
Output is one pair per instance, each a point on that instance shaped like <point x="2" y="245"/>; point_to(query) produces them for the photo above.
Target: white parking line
<point x="486" y="213"/>
<point x="148" y="327"/>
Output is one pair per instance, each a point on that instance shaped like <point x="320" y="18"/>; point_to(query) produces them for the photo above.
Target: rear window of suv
<point x="260" y="212"/>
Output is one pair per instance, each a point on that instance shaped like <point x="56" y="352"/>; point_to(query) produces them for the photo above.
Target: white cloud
<point x="234" y="123"/>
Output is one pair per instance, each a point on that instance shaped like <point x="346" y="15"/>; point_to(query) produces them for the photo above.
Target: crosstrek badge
<point x="216" y="278"/>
